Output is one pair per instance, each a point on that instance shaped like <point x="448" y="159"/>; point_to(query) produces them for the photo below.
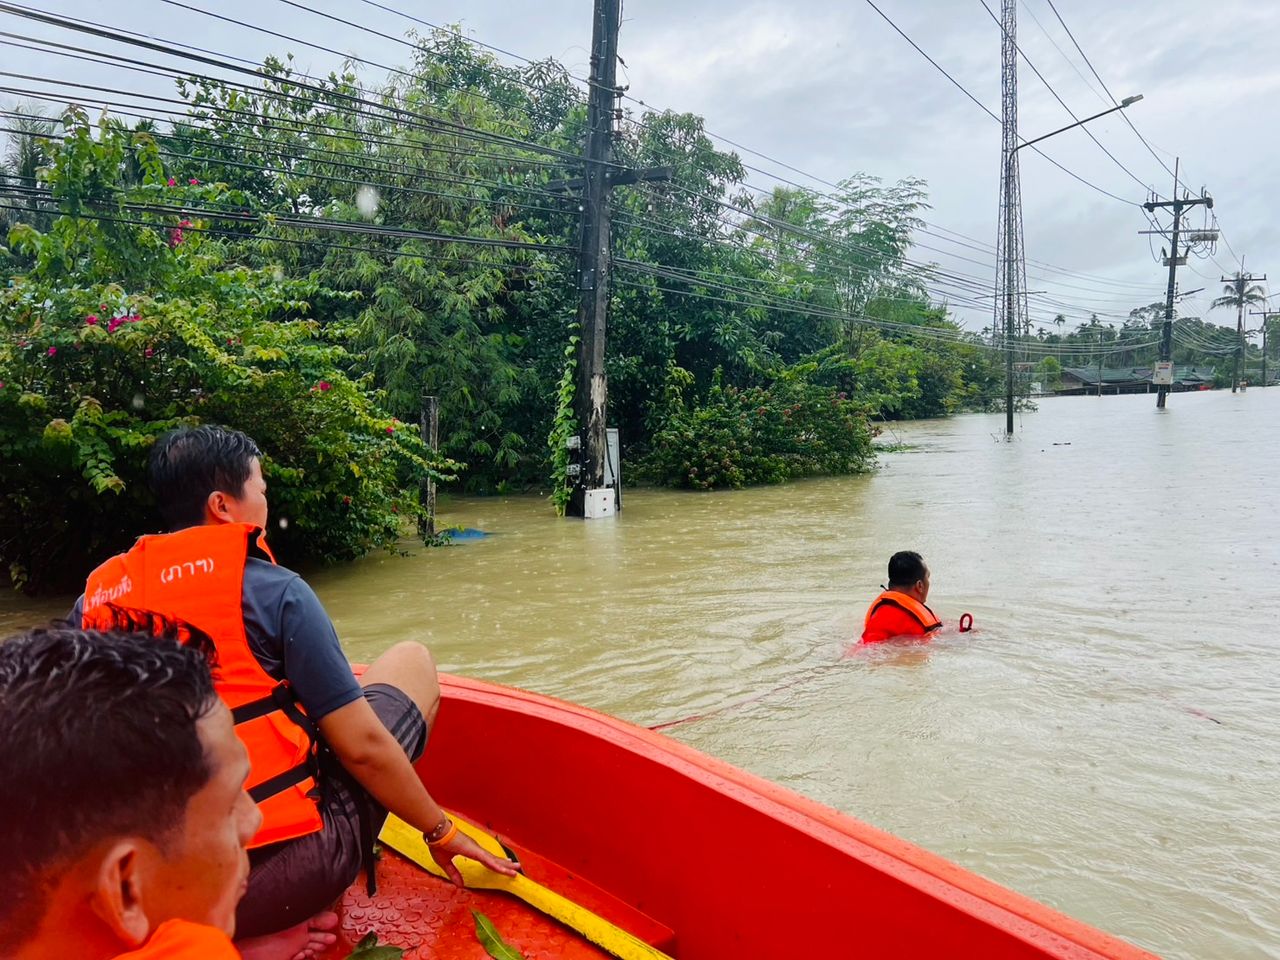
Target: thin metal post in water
<point x="429" y="429"/>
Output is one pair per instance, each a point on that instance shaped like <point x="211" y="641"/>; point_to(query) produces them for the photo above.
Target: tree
<point x="1237" y="294"/>
<point x="26" y="154"/>
<point x="130" y="323"/>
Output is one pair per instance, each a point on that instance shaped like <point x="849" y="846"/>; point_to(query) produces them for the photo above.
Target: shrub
<point x="92" y="372"/>
<point x="737" y="438"/>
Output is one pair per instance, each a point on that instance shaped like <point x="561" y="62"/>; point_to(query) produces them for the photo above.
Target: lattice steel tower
<point x="1010" y="315"/>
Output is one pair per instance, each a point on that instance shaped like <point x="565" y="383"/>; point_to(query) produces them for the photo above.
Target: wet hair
<point x="905" y="568"/>
<point x="190" y="463"/>
<point x="100" y="741"/>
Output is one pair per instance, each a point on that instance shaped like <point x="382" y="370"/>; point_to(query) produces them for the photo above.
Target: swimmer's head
<point x="909" y="574"/>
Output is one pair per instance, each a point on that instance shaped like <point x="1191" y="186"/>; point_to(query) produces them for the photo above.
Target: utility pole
<point x="594" y="252"/>
<point x="1240" y="281"/>
<point x="1178" y="204"/>
<point x="600" y="176"/>
<point x="1266" y="316"/>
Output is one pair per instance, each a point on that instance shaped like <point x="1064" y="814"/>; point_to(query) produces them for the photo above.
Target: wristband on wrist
<point x="439" y="830"/>
<point x="447" y="837"/>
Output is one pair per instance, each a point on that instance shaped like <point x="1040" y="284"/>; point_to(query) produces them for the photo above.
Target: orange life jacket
<point x="910" y="604"/>
<point x="182" y="940"/>
<point x="196" y="576"/>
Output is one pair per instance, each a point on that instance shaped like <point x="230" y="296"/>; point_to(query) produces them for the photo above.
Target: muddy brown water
<point x="1107" y="741"/>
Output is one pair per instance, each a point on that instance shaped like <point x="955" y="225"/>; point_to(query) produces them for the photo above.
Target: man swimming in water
<point x="900" y="610"/>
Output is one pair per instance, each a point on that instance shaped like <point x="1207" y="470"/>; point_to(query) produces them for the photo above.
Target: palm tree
<point x="25" y="155"/>
<point x="1237" y="294"/>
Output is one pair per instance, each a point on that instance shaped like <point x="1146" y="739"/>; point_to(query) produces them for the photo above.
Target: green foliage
<point x="564" y="426"/>
<point x="739" y="437"/>
<point x="1049" y="372"/>
<point x="369" y="949"/>
<point x="93" y="371"/>
<point x="492" y="941"/>
<point x="314" y="341"/>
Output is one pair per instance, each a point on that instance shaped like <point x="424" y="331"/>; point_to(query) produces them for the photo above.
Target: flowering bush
<point x="91" y="372"/>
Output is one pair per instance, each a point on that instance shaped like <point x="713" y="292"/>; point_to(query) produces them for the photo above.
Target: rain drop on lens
<point x="367" y="201"/>
<point x="139" y="401"/>
<point x="283" y="523"/>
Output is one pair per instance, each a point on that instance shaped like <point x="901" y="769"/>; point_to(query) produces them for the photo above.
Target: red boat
<point x="689" y="854"/>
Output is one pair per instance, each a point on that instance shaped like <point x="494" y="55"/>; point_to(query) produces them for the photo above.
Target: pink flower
<point x="114" y="324"/>
<point x="194" y="182"/>
<point x="391" y="429"/>
<point x="53" y="351"/>
<point x="173" y="182"/>
<point x="345" y="500"/>
<point x="132" y="318"/>
<point x="102" y="307"/>
<point x="324" y="385"/>
<point x="230" y="342"/>
<point x="91" y="320"/>
<point x="147" y="352"/>
<point x="1" y="384"/>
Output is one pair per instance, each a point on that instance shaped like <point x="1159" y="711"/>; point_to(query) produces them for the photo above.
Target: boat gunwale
<point x="908" y="863"/>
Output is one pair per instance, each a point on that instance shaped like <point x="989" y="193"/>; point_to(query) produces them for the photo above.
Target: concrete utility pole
<point x="1173" y="261"/>
<point x="1240" y="282"/>
<point x="594" y="252"/>
<point x="1266" y="316"/>
<point x="600" y="176"/>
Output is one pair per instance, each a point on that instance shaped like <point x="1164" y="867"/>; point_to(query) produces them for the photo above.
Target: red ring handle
<point x="966" y="622"/>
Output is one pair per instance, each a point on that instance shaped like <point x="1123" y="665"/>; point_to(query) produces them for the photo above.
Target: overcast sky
<point x="827" y="86"/>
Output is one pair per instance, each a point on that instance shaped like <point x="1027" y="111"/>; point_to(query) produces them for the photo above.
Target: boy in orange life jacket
<point x="284" y="675"/>
<point x="125" y="819"/>
<point x="900" y="610"/>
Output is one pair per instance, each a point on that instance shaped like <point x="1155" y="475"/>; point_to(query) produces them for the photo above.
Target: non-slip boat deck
<point x="432" y="919"/>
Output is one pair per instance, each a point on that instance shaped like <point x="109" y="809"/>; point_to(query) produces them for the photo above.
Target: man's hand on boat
<point x="460" y="845"/>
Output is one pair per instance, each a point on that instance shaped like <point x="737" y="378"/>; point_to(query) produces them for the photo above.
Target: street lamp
<point x="1009" y="309"/>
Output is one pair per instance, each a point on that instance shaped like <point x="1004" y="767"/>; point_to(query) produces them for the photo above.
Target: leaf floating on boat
<point x="369" y="949"/>
<point x="492" y="941"/>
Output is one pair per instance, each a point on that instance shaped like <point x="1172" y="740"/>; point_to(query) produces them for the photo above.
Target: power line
<point x="300" y="222"/>
<point x="754" y="214"/>
<point x="1048" y="36"/>
<point x="988" y="112"/>
<point x="1114" y="101"/>
<point x="643" y="123"/>
<point x="410" y="118"/>
<point x="436" y="27"/>
<point x="197" y="160"/>
<point x="1072" y="113"/>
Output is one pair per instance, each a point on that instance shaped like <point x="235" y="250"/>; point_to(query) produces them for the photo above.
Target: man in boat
<point x="330" y="754"/>
<point x="900" y="610"/>
<point x="125" y="820"/>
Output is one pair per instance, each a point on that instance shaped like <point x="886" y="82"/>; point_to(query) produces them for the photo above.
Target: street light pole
<point x="1010" y="295"/>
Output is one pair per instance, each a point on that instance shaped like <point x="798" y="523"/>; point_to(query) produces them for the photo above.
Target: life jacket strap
<point x="283" y="699"/>
<point x="282" y="781"/>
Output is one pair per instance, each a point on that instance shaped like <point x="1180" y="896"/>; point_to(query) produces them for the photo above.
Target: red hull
<point x="736" y="867"/>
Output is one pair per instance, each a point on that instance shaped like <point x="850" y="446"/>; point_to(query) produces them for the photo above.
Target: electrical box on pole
<point x="598" y="463"/>
<point x="1173" y="261"/>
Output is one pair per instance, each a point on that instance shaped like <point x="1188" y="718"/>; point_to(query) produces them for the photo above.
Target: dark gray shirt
<point x="292" y="637"/>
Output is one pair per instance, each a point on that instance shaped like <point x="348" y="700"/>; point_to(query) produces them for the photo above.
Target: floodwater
<point x="1106" y="741"/>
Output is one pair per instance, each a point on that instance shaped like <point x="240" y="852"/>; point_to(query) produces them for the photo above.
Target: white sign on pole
<point x="1162" y="376"/>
